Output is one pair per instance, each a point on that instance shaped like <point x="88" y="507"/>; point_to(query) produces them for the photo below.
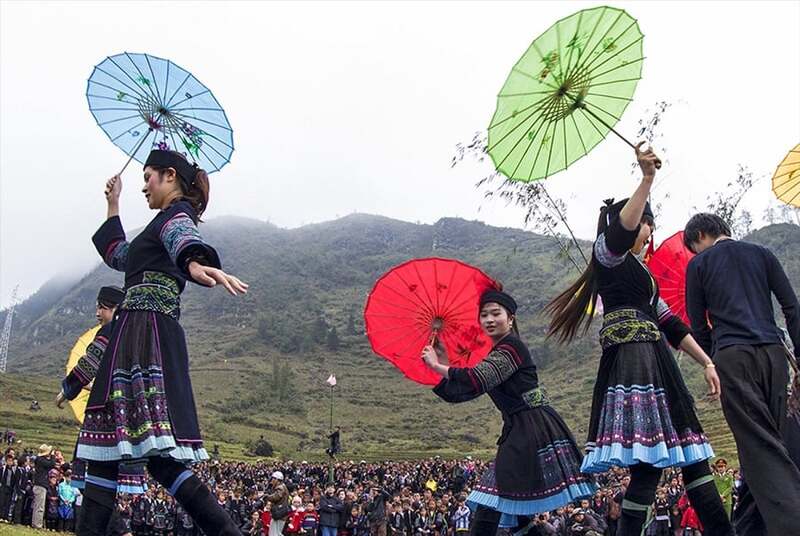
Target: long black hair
<point x="575" y="307"/>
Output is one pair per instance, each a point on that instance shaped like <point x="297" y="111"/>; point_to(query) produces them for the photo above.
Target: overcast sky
<point x="342" y="107"/>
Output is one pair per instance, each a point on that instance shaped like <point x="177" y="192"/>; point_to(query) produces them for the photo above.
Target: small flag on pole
<point x="331" y="380"/>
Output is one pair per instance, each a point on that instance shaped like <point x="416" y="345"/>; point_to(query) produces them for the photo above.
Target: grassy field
<point x="16" y="530"/>
<point x="381" y="415"/>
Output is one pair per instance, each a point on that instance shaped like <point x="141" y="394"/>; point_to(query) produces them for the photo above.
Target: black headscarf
<point x="169" y="159"/>
<point x="110" y="296"/>
<point x="500" y="297"/>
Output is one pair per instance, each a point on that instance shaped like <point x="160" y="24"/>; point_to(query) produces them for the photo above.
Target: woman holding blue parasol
<point x="141" y="407"/>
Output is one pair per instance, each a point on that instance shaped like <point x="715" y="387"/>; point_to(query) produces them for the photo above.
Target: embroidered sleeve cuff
<point x="71" y="387"/>
<point x="110" y="243"/>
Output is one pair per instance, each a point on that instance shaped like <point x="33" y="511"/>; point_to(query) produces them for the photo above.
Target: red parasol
<point x="668" y="266"/>
<point x="425" y="298"/>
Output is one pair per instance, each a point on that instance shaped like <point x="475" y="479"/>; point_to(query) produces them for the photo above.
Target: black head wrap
<point x="110" y="296"/>
<point x="611" y="210"/>
<point x="500" y="297"/>
<point x="166" y="159"/>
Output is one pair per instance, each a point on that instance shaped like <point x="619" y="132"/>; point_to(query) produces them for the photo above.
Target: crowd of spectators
<point x="344" y="498"/>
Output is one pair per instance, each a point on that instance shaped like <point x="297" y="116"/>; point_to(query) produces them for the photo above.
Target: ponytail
<point x="573" y="307"/>
<point x="197" y="193"/>
<point x="576" y="305"/>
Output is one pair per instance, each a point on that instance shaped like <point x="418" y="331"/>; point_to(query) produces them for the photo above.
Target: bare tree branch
<point x="543" y="212"/>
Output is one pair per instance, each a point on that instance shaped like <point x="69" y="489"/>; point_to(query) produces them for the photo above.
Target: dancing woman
<point x="537" y="468"/>
<point x="141" y="406"/>
<point x="643" y="416"/>
<point x="131" y="478"/>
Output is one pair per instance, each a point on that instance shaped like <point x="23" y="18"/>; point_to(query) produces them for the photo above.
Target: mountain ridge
<point x="259" y="361"/>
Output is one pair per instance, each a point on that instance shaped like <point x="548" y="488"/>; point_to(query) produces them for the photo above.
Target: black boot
<point x="632" y="519"/>
<point x="198" y="501"/>
<point x="96" y="510"/>
<point x="705" y="499"/>
<point x="485" y="522"/>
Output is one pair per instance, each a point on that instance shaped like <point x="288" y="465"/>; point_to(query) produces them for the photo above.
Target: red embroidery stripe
<point x="110" y="248"/>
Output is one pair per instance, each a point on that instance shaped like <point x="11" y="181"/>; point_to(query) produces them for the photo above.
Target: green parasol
<point x="565" y="94"/>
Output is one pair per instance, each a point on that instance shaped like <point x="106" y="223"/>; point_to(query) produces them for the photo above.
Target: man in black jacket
<point x="730" y="285"/>
<point x="376" y="510"/>
<point x="23" y="492"/>
<point x="44" y="462"/>
<point x="9" y="475"/>
<point x="330" y="512"/>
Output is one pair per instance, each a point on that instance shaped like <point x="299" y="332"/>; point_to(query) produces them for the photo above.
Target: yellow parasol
<point x="78" y="405"/>
<point x="786" y="181"/>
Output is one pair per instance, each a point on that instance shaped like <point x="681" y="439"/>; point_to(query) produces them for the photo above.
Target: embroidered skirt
<point x="141" y="404"/>
<point x="537" y="468"/>
<point x="642" y="411"/>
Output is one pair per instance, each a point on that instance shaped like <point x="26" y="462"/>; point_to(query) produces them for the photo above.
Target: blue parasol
<point x="143" y="102"/>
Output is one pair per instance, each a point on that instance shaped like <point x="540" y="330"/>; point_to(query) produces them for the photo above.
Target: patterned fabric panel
<point x="131" y="477"/>
<point x="663" y="311"/>
<point x="179" y="232"/>
<point x="109" y="241"/>
<point x="625" y="326"/>
<point x="116" y="256"/>
<point x="605" y="256"/>
<point x="640" y="414"/>
<point x="536" y="397"/>
<point x="560" y="465"/>
<point x="158" y="292"/>
<point x="138" y="409"/>
<point x="86" y="368"/>
<point x="498" y="366"/>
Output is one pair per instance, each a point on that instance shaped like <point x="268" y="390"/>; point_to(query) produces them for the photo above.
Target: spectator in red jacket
<point x="266" y="518"/>
<point x="294" y="522"/>
<point x="690" y="523"/>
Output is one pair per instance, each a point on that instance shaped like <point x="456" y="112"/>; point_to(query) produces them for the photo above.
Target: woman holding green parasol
<point x="643" y="416"/>
<point x="562" y="97"/>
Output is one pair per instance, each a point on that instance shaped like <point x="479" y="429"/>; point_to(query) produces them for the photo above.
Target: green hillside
<point x="259" y="362"/>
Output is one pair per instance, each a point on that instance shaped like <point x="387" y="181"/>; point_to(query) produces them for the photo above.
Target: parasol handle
<point x="433" y="337"/>
<point x="135" y="151"/>
<point x="620" y="136"/>
<point x="612" y="129"/>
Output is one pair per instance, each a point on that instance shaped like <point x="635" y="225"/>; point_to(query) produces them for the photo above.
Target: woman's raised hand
<point x="648" y="160"/>
<point x="211" y="277"/>
<point x="429" y="356"/>
<point x="113" y="189"/>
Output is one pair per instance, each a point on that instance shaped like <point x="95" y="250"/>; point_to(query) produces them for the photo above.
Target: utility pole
<point x="6" y="335"/>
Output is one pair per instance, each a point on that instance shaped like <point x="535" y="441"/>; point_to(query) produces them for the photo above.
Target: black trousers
<point x="6" y="492"/>
<point x="754" y="380"/>
<point x="21" y="508"/>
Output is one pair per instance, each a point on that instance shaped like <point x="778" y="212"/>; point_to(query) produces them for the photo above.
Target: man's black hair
<point x="708" y="224"/>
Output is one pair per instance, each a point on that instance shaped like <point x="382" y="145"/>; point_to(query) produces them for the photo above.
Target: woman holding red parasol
<point x="537" y="468"/>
